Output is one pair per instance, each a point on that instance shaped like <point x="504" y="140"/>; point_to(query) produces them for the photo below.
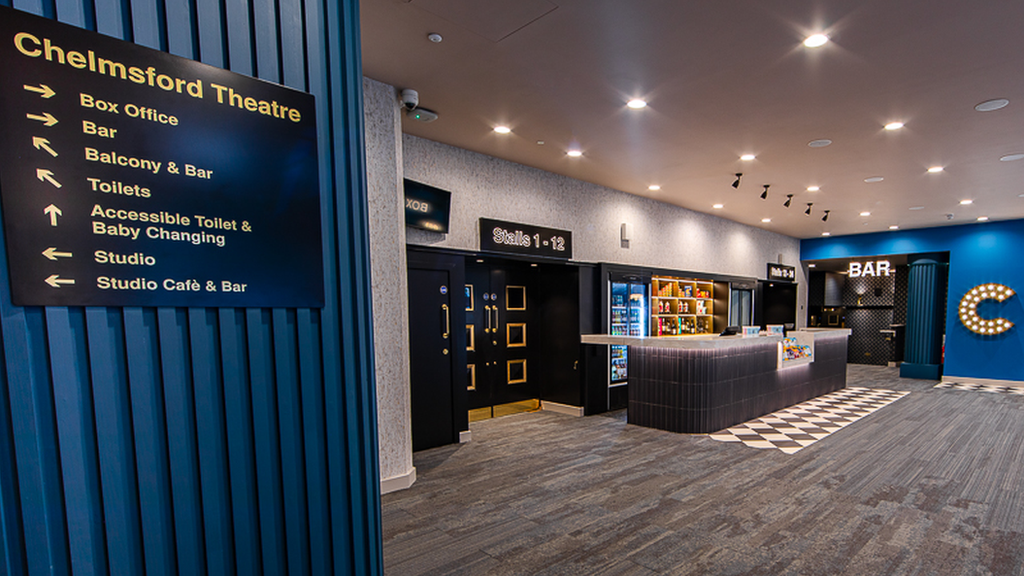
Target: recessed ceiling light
<point x="874" y="179"/>
<point x="502" y="129"/>
<point x="965" y="202"/>
<point x="434" y="37"/>
<point x="990" y="105"/>
<point x="766" y="220"/>
<point x="815" y="40"/>
<point x="654" y="187"/>
<point x="813" y="188"/>
<point x="812" y="265"/>
<point x="826" y="233"/>
<point x="936" y="169"/>
<point x="819" y="143"/>
<point x="636" y="103"/>
<point x="894" y="125"/>
<point x="982" y="218"/>
<point x="917" y="207"/>
<point x="718" y="206"/>
<point x="894" y="227"/>
<point x="747" y="157"/>
<point x="865" y="213"/>
<point x="575" y="153"/>
<point x="1011" y="157"/>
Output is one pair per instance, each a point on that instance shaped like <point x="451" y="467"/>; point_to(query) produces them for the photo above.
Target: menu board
<point x="131" y="177"/>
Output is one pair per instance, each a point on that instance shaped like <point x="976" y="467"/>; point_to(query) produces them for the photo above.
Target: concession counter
<point x="702" y="384"/>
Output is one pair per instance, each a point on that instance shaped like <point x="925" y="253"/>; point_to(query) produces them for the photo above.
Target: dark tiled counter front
<point x="705" y="388"/>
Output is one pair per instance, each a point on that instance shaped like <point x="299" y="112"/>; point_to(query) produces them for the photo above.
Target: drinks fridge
<point x="628" y="318"/>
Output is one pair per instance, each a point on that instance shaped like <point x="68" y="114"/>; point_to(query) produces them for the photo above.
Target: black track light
<point x="789" y="199"/>
<point x="808" y="211"/>
<point x="825" y="217"/>
<point x="736" y="183"/>
<point x="764" y="195"/>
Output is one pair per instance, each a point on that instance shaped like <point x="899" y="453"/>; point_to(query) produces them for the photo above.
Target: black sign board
<point x="781" y="272"/>
<point x="498" y="236"/>
<point x="131" y="177"/>
<point x="426" y="207"/>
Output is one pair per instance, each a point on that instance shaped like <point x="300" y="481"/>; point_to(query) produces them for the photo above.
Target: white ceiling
<point x="723" y="78"/>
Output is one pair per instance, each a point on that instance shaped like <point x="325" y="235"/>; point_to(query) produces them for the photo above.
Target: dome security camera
<point x="410" y="99"/>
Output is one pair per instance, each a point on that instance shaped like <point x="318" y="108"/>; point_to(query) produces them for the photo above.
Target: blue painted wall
<point x="205" y="441"/>
<point x="978" y="254"/>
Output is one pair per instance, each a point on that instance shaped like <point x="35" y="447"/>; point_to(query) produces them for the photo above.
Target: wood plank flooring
<point x="931" y="484"/>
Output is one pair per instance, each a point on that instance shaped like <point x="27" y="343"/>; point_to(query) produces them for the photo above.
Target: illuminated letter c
<point x="969" y="309"/>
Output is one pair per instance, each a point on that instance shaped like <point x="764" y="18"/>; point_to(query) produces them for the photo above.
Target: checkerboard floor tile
<point x="804" y="424"/>
<point x="981" y="387"/>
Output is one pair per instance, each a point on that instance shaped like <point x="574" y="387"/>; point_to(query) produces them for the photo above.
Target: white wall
<point x="390" y="297"/>
<point x="664" y="235"/>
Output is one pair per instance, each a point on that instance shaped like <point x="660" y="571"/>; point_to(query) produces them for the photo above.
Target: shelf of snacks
<point x="682" y="306"/>
<point x="796" y="349"/>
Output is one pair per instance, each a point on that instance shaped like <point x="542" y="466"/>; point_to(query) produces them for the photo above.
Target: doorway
<point x="501" y="334"/>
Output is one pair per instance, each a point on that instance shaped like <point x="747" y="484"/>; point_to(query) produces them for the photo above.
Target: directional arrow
<point x="53" y="211"/>
<point x="43" y="90"/>
<point x="56" y="282"/>
<point x="43" y="144"/>
<point x="47" y="176"/>
<point x="52" y="253"/>
<point x="47" y="119"/>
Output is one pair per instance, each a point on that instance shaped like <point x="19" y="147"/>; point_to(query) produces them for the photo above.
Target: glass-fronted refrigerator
<point x="628" y="318"/>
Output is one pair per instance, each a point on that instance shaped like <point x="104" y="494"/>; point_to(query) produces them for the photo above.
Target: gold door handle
<point x="495" y="326"/>
<point x="447" y="321"/>
<point x="487" y="314"/>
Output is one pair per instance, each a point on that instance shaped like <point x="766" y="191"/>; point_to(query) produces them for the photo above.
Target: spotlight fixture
<point x="789" y="199"/>
<point x="825" y="217"/>
<point x="764" y="195"/>
<point x="808" y="211"/>
<point x="736" y="183"/>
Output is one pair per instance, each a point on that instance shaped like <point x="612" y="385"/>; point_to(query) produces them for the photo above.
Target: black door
<point x="499" y="330"/>
<point x="436" y="349"/>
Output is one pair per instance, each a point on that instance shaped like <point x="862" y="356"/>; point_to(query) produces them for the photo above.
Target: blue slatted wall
<point x="201" y="441"/>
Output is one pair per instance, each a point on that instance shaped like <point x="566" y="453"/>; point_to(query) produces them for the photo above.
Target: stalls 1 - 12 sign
<point x="131" y="177"/>
<point x="498" y="236"/>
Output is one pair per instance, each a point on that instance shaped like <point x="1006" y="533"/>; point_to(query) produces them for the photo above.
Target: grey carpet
<point x="931" y="484"/>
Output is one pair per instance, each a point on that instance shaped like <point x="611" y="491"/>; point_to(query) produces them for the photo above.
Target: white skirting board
<point x="983" y="381"/>
<point x="561" y="408"/>
<point x="400" y="482"/>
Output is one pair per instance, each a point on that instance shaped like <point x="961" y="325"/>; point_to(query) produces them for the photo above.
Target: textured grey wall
<point x="664" y="235"/>
<point x="387" y="263"/>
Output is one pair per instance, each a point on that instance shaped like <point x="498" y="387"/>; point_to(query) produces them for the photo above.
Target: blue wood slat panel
<point x="314" y="433"/>
<point x="75" y="427"/>
<point x="193" y="441"/>
<point x="112" y="18"/>
<point x="289" y="409"/>
<point x="268" y="447"/>
<point x="241" y="452"/>
<point x="292" y="31"/>
<point x="153" y="467"/>
<point x="210" y="18"/>
<point x="181" y="39"/>
<point x="209" y="406"/>
<point x="114" y="437"/>
<point x="12" y="545"/>
<point x="181" y="439"/>
<point x="268" y="64"/>
<point x="239" y="39"/>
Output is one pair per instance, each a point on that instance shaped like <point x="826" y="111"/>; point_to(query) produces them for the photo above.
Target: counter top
<point x="700" y="341"/>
